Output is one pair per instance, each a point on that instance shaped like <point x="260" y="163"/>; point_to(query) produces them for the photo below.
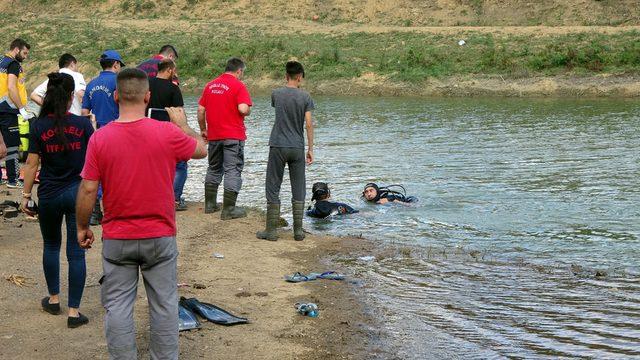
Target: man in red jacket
<point x="222" y="108"/>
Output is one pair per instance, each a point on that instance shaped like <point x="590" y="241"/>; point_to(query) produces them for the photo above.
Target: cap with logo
<point x="112" y="55"/>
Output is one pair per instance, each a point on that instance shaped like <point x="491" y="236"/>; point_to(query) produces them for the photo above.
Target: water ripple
<point x="526" y="239"/>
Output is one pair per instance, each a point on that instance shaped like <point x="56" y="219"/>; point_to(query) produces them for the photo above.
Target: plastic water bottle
<point x="32" y="206"/>
<point x="309" y="309"/>
<point x="313" y="312"/>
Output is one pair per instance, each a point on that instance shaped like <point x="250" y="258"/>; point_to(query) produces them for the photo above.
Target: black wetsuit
<point x="323" y="209"/>
<point x="392" y="197"/>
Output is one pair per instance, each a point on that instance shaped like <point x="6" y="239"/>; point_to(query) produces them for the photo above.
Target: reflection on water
<point x="461" y="306"/>
<point x="526" y="239"/>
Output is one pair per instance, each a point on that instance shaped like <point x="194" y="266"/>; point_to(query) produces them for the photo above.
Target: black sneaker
<point x="74" y="322"/>
<point x="181" y="205"/>
<point x="53" y="309"/>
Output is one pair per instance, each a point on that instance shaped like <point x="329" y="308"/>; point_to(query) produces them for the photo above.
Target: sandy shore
<point x="248" y="281"/>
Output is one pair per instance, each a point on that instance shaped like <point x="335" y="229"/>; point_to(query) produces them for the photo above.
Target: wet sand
<point x="248" y="281"/>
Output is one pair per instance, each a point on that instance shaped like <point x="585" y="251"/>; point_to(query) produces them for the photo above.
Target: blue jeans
<point x="180" y="179"/>
<point x="51" y="212"/>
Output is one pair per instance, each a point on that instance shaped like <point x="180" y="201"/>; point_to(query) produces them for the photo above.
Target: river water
<point x="526" y="239"/>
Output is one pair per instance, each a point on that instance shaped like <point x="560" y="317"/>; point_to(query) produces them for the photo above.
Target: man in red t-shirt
<point x="223" y="105"/>
<point x="135" y="160"/>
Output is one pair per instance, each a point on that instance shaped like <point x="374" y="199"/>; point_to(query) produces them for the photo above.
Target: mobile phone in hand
<point x="158" y="114"/>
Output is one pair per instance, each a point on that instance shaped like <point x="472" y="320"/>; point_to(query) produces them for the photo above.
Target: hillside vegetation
<point x="398" y="49"/>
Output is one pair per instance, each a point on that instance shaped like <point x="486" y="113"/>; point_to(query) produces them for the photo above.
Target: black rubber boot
<point x="96" y="215"/>
<point x="210" y="198"/>
<point x="273" y="218"/>
<point x="298" y="213"/>
<point x="229" y="208"/>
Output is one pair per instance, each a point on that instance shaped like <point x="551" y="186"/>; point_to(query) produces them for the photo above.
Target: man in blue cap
<point x="98" y="97"/>
<point x="98" y="100"/>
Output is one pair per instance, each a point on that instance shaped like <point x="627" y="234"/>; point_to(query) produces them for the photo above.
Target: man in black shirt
<point x="164" y="93"/>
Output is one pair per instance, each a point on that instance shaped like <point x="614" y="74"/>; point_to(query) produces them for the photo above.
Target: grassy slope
<point x="391" y="55"/>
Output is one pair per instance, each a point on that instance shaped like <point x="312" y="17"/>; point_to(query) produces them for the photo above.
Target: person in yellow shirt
<point x="13" y="100"/>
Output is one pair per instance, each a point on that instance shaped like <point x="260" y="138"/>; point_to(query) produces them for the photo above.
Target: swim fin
<point x="211" y="312"/>
<point x="187" y="320"/>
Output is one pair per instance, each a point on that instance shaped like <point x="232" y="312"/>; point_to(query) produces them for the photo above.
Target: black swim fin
<point x="211" y="312"/>
<point x="187" y="320"/>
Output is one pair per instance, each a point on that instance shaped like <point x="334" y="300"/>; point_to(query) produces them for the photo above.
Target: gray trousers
<point x="294" y="159"/>
<point x="226" y="157"/>
<point x="157" y="259"/>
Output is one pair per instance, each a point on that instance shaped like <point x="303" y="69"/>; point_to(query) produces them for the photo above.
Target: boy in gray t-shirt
<point x="286" y="147"/>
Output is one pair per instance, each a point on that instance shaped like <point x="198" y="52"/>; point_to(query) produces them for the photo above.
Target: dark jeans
<point x="51" y="212"/>
<point x="180" y="179"/>
<point x="294" y="159"/>
<point x="226" y="157"/>
<point x="11" y="135"/>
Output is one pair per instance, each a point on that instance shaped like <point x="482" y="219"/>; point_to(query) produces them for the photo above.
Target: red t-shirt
<point x="220" y="99"/>
<point x="136" y="162"/>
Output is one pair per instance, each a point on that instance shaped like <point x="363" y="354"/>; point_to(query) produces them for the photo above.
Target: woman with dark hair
<point x="58" y="140"/>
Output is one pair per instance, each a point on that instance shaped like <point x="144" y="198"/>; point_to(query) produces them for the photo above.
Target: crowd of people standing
<point x="91" y="143"/>
<point x="95" y="142"/>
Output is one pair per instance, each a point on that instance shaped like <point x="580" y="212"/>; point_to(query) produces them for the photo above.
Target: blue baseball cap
<point x="112" y="55"/>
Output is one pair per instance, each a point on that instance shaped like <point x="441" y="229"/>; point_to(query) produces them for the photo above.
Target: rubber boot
<point x="273" y="217"/>
<point x="211" y="198"/>
<point x="96" y="215"/>
<point x="298" y="213"/>
<point x="229" y="208"/>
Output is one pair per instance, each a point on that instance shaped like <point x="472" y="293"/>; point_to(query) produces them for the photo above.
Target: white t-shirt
<point x="76" y="105"/>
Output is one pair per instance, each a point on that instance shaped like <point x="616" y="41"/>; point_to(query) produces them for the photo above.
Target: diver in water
<point x="386" y="194"/>
<point x="323" y="207"/>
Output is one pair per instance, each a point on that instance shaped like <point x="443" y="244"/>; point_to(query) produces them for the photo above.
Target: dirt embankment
<point x="405" y="13"/>
<point x="559" y="86"/>
<point x="248" y="281"/>
<point x="450" y="19"/>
